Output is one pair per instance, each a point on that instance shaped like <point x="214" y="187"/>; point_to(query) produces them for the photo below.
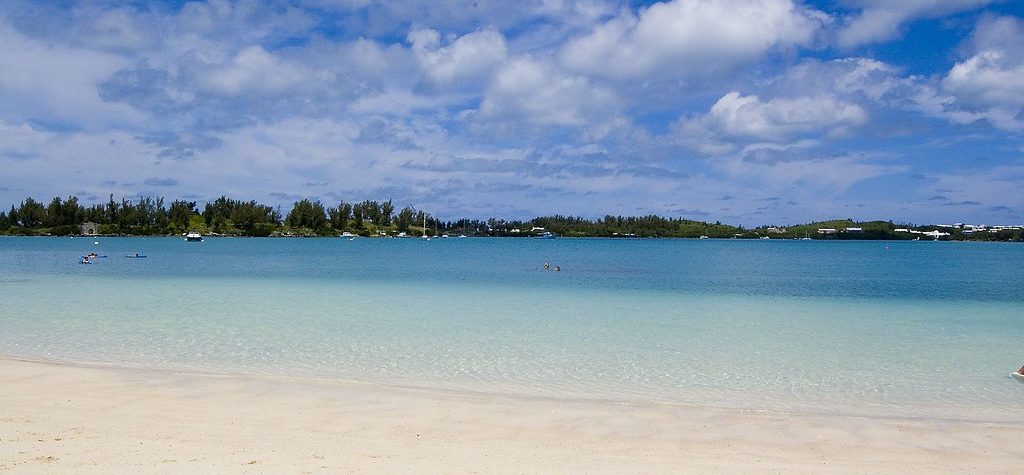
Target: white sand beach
<point x="58" y="418"/>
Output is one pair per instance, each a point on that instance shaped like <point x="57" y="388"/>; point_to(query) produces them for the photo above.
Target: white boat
<point x="194" y="237"/>
<point x="545" y="235"/>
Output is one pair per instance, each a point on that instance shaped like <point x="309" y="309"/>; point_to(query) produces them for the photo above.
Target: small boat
<point x="194" y="237"/>
<point x="545" y="235"/>
<point x="425" y="236"/>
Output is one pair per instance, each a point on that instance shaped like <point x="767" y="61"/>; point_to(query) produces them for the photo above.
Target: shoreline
<point x="58" y="416"/>
<point x="511" y="395"/>
<point x="523" y="237"/>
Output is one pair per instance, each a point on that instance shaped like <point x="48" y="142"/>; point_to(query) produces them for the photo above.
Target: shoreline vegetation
<point x="228" y="217"/>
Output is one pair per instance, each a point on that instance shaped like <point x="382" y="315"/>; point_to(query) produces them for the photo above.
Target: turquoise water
<point x="924" y="329"/>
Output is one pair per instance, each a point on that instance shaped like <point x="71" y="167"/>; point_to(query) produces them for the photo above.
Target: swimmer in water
<point x="547" y="266"/>
<point x="558" y="269"/>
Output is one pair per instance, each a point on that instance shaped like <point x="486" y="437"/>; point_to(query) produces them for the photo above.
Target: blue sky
<point x="745" y="111"/>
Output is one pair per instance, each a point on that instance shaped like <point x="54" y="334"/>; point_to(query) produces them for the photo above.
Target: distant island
<point x="228" y="217"/>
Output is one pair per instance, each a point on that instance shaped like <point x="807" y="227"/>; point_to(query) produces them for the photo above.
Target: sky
<point x="750" y="112"/>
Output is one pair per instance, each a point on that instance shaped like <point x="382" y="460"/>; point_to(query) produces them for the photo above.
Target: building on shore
<point x="89" y="229"/>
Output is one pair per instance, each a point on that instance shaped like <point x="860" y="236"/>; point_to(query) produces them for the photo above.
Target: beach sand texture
<point x="73" y="419"/>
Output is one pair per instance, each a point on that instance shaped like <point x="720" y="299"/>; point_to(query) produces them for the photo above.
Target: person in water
<point x="547" y="266"/>
<point x="1021" y="370"/>
<point x="558" y="269"/>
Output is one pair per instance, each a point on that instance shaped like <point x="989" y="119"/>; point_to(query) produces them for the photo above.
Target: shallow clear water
<point x="927" y="329"/>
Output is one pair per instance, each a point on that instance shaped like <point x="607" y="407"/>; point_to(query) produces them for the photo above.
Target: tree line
<point x="150" y="216"/>
<point x="227" y="216"/>
<point x="153" y="216"/>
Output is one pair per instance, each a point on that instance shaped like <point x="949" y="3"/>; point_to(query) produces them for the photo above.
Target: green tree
<point x="387" y="210"/>
<point x="357" y="216"/>
<point x="12" y="217"/>
<point x="404" y="219"/>
<point x="217" y="213"/>
<point x="112" y="211"/>
<point x="307" y="214"/>
<point x="31" y="213"/>
<point x="54" y="213"/>
<point x="340" y="216"/>
<point x="180" y="213"/>
<point x="249" y="215"/>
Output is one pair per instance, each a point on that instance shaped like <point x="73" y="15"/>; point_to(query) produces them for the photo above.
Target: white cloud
<point x="880" y="20"/>
<point x="46" y="82"/>
<point x="253" y="69"/>
<point x="736" y="119"/>
<point x="824" y="173"/>
<point x="538" y="94"/>
<point x="579" y="12"/>
<point x="865" y="77"/>
<point x="690" y="38"/>
<point x="21" y="141"/>
<point x="990" y="83"/>
<point x="395" y="103"/>
<point x="113" y="30"/>
<point x="470" y="57"/>
<point x="390" y="18"/>
<point x="246" y="21"/>
<point x="987" y="79"/>
<point x="87" y="162"/>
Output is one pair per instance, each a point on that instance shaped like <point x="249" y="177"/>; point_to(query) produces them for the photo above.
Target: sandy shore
<point x="70" y="419"/>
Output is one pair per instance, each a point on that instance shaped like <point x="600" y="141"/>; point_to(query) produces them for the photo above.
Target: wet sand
<point x="57" y="418"/>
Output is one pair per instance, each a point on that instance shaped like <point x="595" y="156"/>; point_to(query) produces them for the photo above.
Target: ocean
<point x="901" y="329"/>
